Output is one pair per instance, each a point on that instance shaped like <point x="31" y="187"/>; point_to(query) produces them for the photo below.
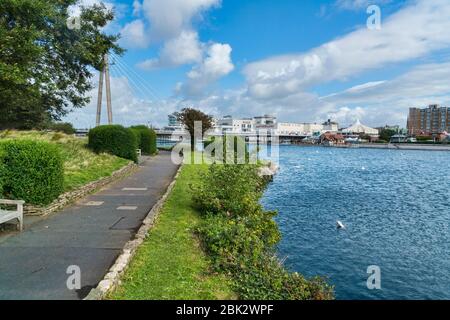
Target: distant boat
<point x="340" y="225"/>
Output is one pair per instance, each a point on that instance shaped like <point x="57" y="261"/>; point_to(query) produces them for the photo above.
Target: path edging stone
<point x="115" y="273"/>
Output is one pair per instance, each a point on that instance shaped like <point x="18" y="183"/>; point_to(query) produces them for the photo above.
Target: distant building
<point x="269" y="124"/>
<point x="331" y="139"/>
<point x="428" y="121"/>
<point x="305" y="129"/>
<point x="173" y="120"/>
<point x="399" y="138"/>
<point x="330" y="126"/>
<point x="359" y="129"/>
<point x="290" y="129"/>
<point x="174" y="124"/>
<point x="266" y="122"/>
<point x="234" y="126"/>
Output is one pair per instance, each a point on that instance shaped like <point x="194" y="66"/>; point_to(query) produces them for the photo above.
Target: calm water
<point x="396" y="208"/>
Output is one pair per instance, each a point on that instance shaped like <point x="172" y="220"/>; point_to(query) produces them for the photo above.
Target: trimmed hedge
<point x="2" y="171"/>
<point x="146" y="139"/>
<point x="33" y="171"/>
<point x="114" y="139"/>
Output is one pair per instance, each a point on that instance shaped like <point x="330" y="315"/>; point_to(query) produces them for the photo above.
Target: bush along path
<point x="240" y="237"/>
<point x="215" y="241"/>
<point x="87" y="237"/>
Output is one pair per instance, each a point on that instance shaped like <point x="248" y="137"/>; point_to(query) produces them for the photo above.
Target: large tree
<point x="387" y="134"/>
<point x="46" y="63"/>
<point x="189" y="116"/>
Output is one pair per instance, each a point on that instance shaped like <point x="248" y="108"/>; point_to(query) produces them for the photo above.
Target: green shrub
<point x="153" y="142"/>
<point x="239" y="236"/>
<point x="137" y="134"/>
<point x="34" y="171"/>
<point x="230" y="188"/>
<point x="146" y="139"/>
<point x="268" y="279"/>
<point x="64" y="127"/>
<point x="233" y="156"/>
<point x="114" y="139"/>
<point x="2" y="171"/>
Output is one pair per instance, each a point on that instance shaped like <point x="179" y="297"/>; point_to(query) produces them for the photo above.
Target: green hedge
<point x="146" y="139"/>
<point x="2" y="171"/>
<point x="114" y="139"/>
<point x="32" y="171"/>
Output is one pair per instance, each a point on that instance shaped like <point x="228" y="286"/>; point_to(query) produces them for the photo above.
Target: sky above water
<point x="303" y="61"/>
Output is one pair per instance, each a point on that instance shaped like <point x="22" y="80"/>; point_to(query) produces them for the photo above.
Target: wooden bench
<point x="7" y="215"/>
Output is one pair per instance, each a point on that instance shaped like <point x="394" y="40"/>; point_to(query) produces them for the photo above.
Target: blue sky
<point x="300" y="60"/>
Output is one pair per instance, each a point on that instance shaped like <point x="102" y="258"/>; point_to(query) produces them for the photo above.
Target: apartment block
<point x="431" y="120"/>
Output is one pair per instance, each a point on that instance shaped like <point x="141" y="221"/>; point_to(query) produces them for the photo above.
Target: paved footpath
<point x="90" y="234"/>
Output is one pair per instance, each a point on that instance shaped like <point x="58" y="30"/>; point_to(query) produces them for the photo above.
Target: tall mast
<point x="108" y="91"/>
<point x="100" y="97"/>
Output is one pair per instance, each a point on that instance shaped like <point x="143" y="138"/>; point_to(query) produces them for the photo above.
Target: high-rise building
<point x="432" y="120"/>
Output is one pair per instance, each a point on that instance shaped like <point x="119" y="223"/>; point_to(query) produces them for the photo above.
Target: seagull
<point x="340" y="225"/>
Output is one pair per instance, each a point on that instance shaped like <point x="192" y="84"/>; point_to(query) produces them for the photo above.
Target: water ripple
<point x="396" y="208"/>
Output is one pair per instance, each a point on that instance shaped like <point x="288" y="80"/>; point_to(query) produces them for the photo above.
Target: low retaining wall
<point x="394" y="146"/>
<point x="72" y="196"/>
<point x="112" y="278"/>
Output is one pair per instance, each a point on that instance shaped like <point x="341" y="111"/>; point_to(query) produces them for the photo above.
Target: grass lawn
<point x="81" y="165"/>
<point x="170" y="264"/>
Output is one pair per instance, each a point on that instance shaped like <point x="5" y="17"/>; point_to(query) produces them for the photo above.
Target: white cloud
<point x="185" y="49"/>
<point x="428" y="80"/>
<point x="75" y="10"/>
<point x="412" y="32"/>
<point x="172" y="22"/>
<point x="137" y="8"/>
<point x="168" y="18"/>
<point x="383" y="102"/>
<point x="134" y="35"/>
<point x="216" y="64"/>
<point x="375" y="103"/>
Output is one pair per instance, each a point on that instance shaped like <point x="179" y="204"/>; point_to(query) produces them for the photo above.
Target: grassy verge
<point x="81" y="165"/>
<point x="170" y="264"/>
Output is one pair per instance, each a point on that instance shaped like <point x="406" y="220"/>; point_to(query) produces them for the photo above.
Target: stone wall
<point x="69" y="197"/>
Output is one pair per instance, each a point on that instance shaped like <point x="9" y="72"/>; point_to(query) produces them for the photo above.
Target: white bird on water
<point x="340" y="225"/>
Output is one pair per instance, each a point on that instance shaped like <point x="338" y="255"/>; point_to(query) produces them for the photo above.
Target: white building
<point x="290" y="129"/>
<point x="234" y="126"/>
<point x="305" y="129"/>
<point x="269" y="124"/>
<point x="330" y="126"/>
<point x="266" y="122"/>
<point x="357" y="128"/>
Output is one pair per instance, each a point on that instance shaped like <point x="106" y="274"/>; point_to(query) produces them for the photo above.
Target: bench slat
<point x="8" y="215"/>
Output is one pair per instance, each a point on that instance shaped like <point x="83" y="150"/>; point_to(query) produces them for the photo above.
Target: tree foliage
<point x="387" y="134"/>
<point x="45" y="66"/>
<point x="188" y="117"/>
